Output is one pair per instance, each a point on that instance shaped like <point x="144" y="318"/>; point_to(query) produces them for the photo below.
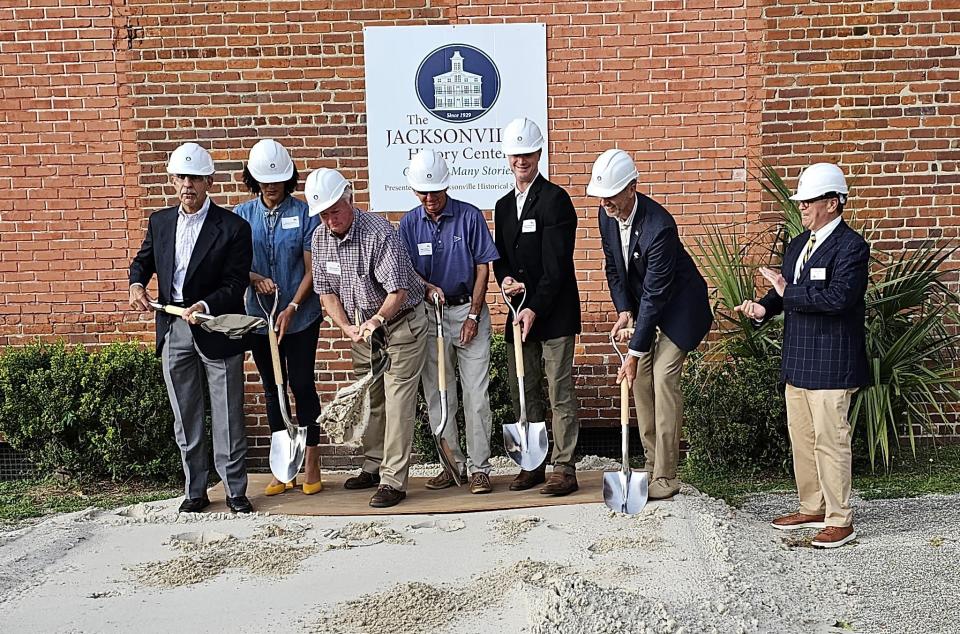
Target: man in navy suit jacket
<point x="652" y="279"/>
<point x="820" y="291"/>
<point x="201" y="255"/>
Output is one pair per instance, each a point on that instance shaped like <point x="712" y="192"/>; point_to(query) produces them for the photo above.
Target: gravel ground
<point x="687" y="566"/>
<point x="904" y="567"/>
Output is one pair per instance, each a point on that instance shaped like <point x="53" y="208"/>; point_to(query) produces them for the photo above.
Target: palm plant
<point x="913" y="324"/>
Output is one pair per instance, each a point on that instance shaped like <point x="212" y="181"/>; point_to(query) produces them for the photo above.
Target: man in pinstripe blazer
<point x="820" y="290"/>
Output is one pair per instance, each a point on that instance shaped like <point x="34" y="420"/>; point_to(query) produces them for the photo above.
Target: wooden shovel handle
<point x="518" y="349"/>
<point x="441" y="365"/>
<point x="275" y="355"/>
<point x="624" y="404"/>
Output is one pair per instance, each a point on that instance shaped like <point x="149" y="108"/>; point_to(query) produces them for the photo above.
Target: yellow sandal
<point x="280" y="487"/>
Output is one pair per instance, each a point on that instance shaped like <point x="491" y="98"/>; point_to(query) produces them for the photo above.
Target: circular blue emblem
<point x="457" y="83"/>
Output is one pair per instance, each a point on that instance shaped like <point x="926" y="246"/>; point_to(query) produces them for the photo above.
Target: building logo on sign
<point x="457" y="83"/>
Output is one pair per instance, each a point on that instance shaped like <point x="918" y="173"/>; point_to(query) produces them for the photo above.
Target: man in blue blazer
<point x="653" y="280"/>
<point x="201" y="255"/>
<point x="820" y="291"/>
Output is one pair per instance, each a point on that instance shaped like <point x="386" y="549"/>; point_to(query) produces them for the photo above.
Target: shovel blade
<point x="286" y="453"/>
<point x="448" y="459"/>
<point x="529" y="449"/>
<point x="625" y="492"/>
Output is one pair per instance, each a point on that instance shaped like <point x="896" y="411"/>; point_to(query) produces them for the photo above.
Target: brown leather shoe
<point x="363" y="481"/>
<point x="480" y="483"/>
<point x="441" y="481"/>
<point x="528" y="479"/>
<point x="386" y="496"/>
<point x="834" y="537"/>
<point x="560" y="483"/>
<point x="796" y="521"/>
<point x="663" y="488"/>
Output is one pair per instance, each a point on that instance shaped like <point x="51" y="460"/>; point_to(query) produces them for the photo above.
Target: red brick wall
<point x="96" y="93"/>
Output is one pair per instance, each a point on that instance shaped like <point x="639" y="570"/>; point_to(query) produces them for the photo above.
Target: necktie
<point x="810" y="244"/>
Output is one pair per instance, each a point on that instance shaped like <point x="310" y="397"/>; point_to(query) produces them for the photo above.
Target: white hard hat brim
<point x="189" y="171"/>
<point x="262" y="177"/>
<point x="319" y="207"/>
<point x="513" y="150"/>
<point x="429" y="187"/>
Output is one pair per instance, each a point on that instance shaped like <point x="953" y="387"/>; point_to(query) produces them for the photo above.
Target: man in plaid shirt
<point x="365" y="281"/>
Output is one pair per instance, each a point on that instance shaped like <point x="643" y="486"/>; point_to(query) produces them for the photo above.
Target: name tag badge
<point x="818" y="275"/>
<point x="290" y="222"/>
<point x="529" y="225"/>
<point x="333" y="268"/>
<point x="425" y="248"/>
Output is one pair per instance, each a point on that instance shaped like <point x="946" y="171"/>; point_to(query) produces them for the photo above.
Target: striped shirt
<point x="364" y="267"/>
<point x="188" y="229"/>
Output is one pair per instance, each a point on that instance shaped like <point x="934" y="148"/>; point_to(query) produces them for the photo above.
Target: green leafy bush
<point x="92" y="413"/>
<point x="735" y="416"/>
<point x="500" y="407"/>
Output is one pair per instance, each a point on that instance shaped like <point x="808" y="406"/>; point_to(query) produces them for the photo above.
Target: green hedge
<point x="98" y="412"/>
<point x="735" y="415"/>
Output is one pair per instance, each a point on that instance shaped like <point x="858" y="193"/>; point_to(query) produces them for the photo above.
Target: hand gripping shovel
<point x="233" y="326"/>
<point x="625" y="491"/>
<point x="287" y="446"/>
<point x="446" y="454"/>
<point x="525" y="442"/>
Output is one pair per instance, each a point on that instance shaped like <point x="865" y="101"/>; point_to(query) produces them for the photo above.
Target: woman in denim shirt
<point x="282" y="230"/>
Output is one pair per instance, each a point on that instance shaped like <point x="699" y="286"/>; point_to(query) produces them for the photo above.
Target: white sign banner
<point x="451" y="89"/>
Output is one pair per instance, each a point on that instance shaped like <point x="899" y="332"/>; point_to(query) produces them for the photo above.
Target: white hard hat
<point x="269" y="162"/>
<point x="428" y="172"/>
<point x="191" y="159"/>
<point x="820" y="179"/>
<point x="521" y="136"/>
<point x="612" y="172"/>
<point x="324" y="187"/>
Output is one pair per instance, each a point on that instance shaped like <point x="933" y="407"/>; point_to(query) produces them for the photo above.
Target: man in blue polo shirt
<point x="451" y="248"/>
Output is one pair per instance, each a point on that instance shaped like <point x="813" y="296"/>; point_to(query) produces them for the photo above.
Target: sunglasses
<point x="807" y="203"/>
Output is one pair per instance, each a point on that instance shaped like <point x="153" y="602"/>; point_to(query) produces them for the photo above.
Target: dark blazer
<point x="660" y="285"/>
<point x="218" y="273"/>
<point x="542" y="258"/>
<point x="824" y="334"/>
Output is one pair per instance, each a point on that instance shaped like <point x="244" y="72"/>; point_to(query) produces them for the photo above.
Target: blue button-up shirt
<point x="446" y="253"/>
<point x="279" y="241"/>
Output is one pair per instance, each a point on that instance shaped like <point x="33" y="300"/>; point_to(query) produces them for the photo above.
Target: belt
<point x="399" y="316"/>
<point x="458" y="300"/>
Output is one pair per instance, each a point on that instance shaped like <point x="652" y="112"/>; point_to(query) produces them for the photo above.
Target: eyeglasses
<point x="803" y="204"/>
<point x="428" y="194"/>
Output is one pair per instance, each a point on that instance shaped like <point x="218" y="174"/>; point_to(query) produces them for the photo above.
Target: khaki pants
<point x="659" y="403"/>
<point x="388" y="440"/>
<point x="553" y="358"/>
<point x="473" y="360"/>
<point x="822" y="457"/>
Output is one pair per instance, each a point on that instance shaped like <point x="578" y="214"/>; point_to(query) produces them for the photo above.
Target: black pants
<point x="298" y="353"/>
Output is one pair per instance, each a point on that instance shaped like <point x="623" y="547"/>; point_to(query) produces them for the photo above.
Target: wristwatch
<point x="380" y="318"/>
<point x="295" y="305"/>
<point x="475" y="318"/>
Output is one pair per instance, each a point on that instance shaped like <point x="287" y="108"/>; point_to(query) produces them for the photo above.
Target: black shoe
<point x="240" y="504"/>
<point x="363" y="481"/>
<point x="386" y="496"/>
<point x="194" y="505"/>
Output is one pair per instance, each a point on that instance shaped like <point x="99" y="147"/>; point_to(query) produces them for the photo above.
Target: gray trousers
<point x="553" y="358"/>
<point x="182" y="365"/>
<point x="473" y="360"/>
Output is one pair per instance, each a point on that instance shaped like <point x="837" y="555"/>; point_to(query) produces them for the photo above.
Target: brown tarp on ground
<point x="334" y="500"/>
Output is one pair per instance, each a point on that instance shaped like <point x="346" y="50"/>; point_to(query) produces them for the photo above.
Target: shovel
<point x="233" y="326"/>
<point x="447" y="458"/>
<point x="287" y="446"/>
<point x="625" y="491"/>
<point x="525" y="442"/>
<point x="345" y="418"/>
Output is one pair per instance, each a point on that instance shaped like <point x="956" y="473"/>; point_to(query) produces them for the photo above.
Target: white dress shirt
<point x="822" y="234"/>
<point x="522" y="195"/>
